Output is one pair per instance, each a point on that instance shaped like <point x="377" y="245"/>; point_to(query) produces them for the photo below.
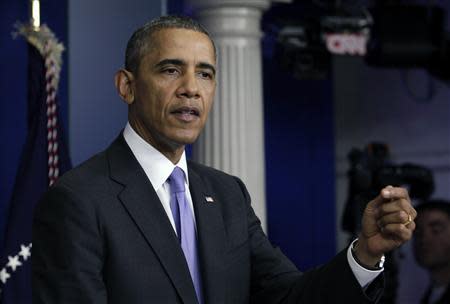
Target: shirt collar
<point x="156" y="166"/>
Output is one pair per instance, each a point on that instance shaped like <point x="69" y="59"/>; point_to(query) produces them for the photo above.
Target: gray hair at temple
<point x="141" y="40"/>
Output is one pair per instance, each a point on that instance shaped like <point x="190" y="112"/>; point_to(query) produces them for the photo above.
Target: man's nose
<point x="189" y="86"/>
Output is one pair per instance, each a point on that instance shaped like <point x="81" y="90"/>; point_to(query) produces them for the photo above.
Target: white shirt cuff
<point x="363" y="275"/>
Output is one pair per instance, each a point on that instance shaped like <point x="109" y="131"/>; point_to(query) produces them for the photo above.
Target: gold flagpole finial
<point x="35" y="12"/>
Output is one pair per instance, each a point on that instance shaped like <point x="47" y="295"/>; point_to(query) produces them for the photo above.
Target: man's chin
<point x="184" y="140"/>
<point x="188" y="141"/>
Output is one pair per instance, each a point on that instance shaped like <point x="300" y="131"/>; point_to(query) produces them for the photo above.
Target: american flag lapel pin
<point x="209" y="199"/>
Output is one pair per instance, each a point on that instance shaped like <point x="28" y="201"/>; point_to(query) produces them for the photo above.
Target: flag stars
<point x="25" y="252"/>
<point x="13" y="262"/>
<point x="4" y="276"/>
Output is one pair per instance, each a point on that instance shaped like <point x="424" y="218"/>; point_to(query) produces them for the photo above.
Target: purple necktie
<point x="184" y="223"/>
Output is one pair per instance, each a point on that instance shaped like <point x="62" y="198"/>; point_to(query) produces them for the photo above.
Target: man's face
<point x="174" y="88"/>
<point x="432" y="239"/>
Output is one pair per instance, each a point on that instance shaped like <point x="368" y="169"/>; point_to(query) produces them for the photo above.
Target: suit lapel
<point x="144" y="206"/>
<point x="211" y="238"/>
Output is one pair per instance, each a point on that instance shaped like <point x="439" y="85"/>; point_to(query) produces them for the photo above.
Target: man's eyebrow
<point x="205" y="65"/>
<point x="164" y="62"/>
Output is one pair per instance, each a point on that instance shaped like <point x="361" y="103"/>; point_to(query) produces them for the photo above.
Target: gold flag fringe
<point x="46" y="43"/>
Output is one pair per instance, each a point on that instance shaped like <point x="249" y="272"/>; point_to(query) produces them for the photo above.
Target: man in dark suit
<point x="432" y="248"/>
<point x="138" y="223"/>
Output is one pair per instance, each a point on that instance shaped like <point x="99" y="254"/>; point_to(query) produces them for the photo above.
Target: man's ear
<point x="124" y="81"/>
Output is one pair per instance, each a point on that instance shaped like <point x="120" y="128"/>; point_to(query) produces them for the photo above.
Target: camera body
<point x="370" y="171"/>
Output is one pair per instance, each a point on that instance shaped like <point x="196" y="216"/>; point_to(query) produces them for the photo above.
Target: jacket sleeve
<point x="274" y="279"/>
<point x="67" y="250"/>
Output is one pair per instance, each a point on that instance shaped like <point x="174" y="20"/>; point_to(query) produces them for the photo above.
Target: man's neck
<point x="173" y="156"/>
<point x="172" y="151"/>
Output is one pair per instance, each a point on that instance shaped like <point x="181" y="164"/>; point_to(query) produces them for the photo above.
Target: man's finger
<point x="398" y="231"/>
<point x="399" y="217"/>
<point x="394" y="193"/>
<point x="398" y="205"/>
<point x="411" y="226"/>
<point x="388" y="193"/>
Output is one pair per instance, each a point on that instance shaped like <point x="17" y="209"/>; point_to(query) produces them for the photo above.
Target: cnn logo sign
<point x="346" y="44"/>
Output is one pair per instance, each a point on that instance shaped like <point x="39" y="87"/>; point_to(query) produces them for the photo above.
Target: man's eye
<point x="170" y="71"/>
<point x="206" y="75"/>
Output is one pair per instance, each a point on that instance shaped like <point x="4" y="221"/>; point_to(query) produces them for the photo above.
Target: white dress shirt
<point x="158" y="168"/>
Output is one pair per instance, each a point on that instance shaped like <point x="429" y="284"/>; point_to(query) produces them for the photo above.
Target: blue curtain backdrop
<point x="299" y="139"/>
<point x="13" y="85"/>
<point x="299" y="166"/>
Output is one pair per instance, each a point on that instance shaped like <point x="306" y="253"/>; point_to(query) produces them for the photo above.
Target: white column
<point x="233" y="139"/>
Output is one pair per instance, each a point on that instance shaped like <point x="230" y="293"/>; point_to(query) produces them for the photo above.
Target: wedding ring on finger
<point x="408" y="221"/>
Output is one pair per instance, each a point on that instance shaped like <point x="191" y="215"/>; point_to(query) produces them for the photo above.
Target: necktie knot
<point x="176" y="180"/>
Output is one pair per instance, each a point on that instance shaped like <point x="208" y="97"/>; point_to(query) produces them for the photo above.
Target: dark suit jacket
<point x="445" y="299"/>
<point x="101" y="235"/>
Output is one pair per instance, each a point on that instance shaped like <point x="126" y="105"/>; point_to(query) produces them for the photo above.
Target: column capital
<point x="211" y="4"/>
<point x="231" y="18"/>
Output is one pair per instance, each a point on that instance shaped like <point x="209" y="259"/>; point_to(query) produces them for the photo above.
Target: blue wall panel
<point x="98" y="32"/>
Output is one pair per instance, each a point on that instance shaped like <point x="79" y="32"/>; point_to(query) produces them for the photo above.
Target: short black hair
<point x="142" y="37"/>
<point x="434" y="204"/>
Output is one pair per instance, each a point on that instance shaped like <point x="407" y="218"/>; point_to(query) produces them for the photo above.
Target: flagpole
<point x="35" y="14"/>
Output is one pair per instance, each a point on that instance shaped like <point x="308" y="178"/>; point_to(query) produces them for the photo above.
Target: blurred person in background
<point x="432" y="248"/>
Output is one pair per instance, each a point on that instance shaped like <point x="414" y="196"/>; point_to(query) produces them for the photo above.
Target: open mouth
<point x="187" y="110"/>
<point x="186" y="113"/>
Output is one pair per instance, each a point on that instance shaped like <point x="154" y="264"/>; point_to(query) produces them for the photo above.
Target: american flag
<point x="44" y="158"/>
